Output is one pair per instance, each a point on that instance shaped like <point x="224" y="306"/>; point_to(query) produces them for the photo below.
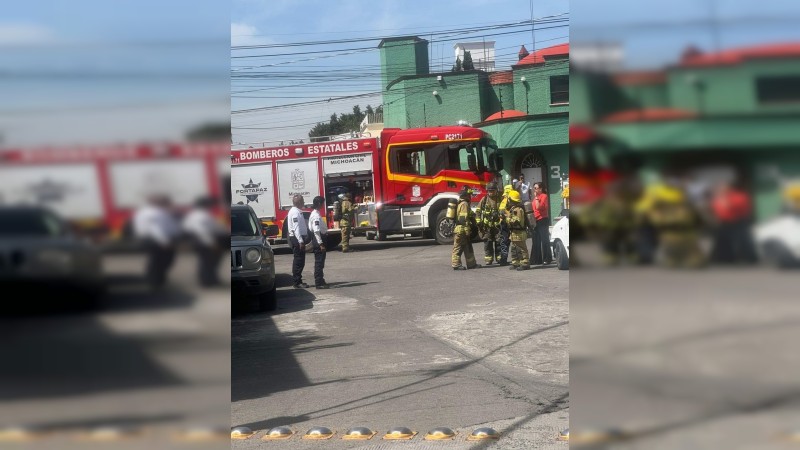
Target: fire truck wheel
<point x="442" y="232"/>
<point x="332" y="240"/>
<point x="268" y="301"/>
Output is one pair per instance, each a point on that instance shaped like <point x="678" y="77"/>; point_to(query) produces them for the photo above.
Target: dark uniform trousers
<point x="299" y="260"/>
<point x="541" y="253"/>
<point x="159" y="262"/>
<point x="319" y="262"/>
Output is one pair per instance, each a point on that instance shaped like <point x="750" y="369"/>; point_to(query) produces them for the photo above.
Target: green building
<point x="525" y="109"/>
<point x="734" y="113"/>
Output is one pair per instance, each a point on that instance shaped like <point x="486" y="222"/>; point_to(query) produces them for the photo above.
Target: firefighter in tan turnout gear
<point x="488" y="217"/>
<point x="345" y="223"/>
<point x="518" y="225"/>
<point x="461" y="236"/>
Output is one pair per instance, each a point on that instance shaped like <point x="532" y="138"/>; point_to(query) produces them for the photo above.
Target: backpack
<point x="337" y="211"/>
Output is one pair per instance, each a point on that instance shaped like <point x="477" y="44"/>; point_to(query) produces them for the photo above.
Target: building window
<point x="559" y="90"/>
<point x="410" y="161"/>
<point x="778" y="89"/>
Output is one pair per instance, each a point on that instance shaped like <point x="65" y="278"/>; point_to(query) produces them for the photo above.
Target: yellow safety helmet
<point x="513" y="196"/>
<point x="667" y="194"/>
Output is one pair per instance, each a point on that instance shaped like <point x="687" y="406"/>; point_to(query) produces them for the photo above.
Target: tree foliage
<point x="210" y="132"/>
<point x="343" y="123"/>
<point x="457" y="66"/>
<point x="468" y="64"/>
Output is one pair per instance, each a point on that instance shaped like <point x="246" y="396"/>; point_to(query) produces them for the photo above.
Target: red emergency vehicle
<point x="98" y="188"/>
<point x="401" y="182"/>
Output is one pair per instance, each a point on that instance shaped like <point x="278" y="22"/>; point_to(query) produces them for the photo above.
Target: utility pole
<point x="533" y="34"/>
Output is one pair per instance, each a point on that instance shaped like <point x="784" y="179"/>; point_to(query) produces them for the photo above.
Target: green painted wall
<point x="516" y="138"/>
<point x="645" y="95"/>
<point x="459" y="98"/>
<point x="745" y="133"/>
<point x="402" y="57"/>
<point x="534" y="93"/>
<point x="729" y="89"/>
<point x="496" y="93"/>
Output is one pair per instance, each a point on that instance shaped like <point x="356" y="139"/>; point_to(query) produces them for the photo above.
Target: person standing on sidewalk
<point x="541" y="252"/>
<point x="318" y="230"/>
<point x="298" y="232"/>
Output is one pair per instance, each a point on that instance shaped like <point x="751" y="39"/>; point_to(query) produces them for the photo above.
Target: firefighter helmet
<point x="465" y="192"/>
<point x="491" y="187"/>
<point x="513" y="196"/>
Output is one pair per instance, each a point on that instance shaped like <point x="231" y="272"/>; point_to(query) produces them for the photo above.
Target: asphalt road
<point x="152" y="363"/>
<point x="697" y="359"/>
<point x="403" y="340"/>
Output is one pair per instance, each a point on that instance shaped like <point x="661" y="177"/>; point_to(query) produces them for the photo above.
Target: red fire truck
<point x="400" y="182"/>
<point x="98" y="187"/>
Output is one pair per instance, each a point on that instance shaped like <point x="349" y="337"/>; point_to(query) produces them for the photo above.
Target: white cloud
<point x="244" y="34"/>
<point x="17" y="33"/>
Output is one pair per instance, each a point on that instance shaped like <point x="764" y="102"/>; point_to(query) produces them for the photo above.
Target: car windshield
<point x="243" y="224"/>
<point x="29" y="223"/>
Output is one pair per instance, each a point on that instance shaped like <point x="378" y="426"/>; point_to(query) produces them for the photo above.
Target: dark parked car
<point x="252" y="259"/>
<point x="38" y="249"/>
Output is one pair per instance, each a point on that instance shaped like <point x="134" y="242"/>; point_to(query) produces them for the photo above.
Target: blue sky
<point x="287" y="21"/>
<point x="640" y="26"/>
<point x="99" y="71"/>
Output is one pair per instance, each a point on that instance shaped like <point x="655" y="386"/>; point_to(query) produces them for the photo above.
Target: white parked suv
<point x="559" y="239"/>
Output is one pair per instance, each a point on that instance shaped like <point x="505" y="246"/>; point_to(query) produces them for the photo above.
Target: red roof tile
<point x="505" y="114"/>
<point x="649" y="115"/>
<point x="737" y="56"/>
<point x="539" y="56"/>
<point x="631" y="78"/>
<point x="501" y="77"/>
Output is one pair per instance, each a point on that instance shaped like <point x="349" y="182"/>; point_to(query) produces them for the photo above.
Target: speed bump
<point x="18" y="434"/>
<point x="278" y="433"/>
<point x="359" y="433"/>
<point x="109" y="433"/>
<point x="200" y="434"/>
<point x="440" y="434"/>
<point x="399" y="433"/>
<point x="600" y="436"/>
<point x="319" y="433"/>
<point x="791" y="436"/>
<point x="563" y="436"/>
<point x="241" y="432"/>
<point x="483" y="433"/>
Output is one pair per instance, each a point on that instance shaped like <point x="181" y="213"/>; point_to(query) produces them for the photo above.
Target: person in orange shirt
<point x="541" y="253"/>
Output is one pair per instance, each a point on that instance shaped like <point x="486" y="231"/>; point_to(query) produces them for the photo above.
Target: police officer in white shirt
<point x="298" y="235"/>
<point x="318" y="229"/>
<point x="158" y="230"/>
<point x="209" y="238"/>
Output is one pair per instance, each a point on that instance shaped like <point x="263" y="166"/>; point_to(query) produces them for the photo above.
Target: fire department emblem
<point x="251" y="194"/>
<point x="48" y="191"/>
<point x="298" y="179"/>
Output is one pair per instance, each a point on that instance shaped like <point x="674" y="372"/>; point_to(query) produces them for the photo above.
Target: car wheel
<point x="268" y="301"/>
<point x="442" y="230"/>
<point x="562" y="260"/>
